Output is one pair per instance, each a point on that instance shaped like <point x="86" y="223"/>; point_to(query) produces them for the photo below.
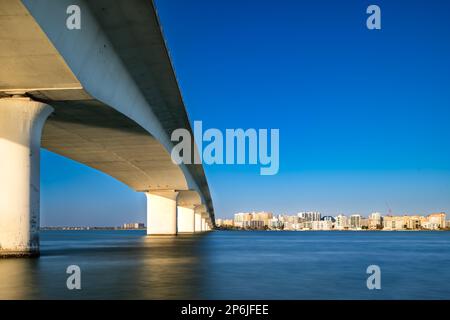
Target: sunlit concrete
<point x="186" y="220"/>
<point x="198" y="221"/>
<point x="162" y="213"/>
<point x="203" y="224"/>
<point x="21" y="123"/>
<point x="206" y="221"/>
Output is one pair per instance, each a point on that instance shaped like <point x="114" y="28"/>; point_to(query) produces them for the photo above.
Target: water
<point x="233" y="265"/>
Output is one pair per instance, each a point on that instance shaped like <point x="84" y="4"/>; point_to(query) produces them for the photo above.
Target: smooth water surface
<point x="233" y="265"/>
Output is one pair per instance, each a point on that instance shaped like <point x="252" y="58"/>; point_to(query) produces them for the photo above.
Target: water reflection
<point x="233" y="265"/>
<point x="114" y="265"/>
<point x="172" y="268"/>
<point x="18" y="278"/>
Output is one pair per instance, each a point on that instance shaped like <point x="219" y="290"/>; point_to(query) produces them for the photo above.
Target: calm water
<point x="233" y="265"/>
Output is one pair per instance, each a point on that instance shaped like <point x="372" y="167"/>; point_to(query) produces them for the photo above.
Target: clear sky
<point x="363" y="115"/>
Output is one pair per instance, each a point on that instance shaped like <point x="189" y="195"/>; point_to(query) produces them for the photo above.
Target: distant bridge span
<point x="106" y="96"/>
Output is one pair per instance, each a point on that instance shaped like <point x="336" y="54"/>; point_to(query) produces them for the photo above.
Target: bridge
<point x="104" y="95"/>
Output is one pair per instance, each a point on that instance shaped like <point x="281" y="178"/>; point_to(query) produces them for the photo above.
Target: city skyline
<point x="314" y="221"/>
<point x="230" y="216"/>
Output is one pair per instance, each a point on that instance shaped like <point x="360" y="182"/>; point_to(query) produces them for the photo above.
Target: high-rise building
<point x="375" y="221"/>
<point x="256" y="224"/>
<point x="438" y="218"/>
<point x="134" y="225"/>
<point x="355" y="221"/>
<point x="394" y="223"/>
<point x="412" y="222"/>
<point x="434" y="221"/>
<point x="239" y="219"/>
<point x="329" y="218"/>
<point x="224" y="222"/>
<point x="341" y="222"/>
<point x="254" y="220"/>
<point x="262" y="216"/>
<point x="275" y="223"/>
<point x="322" y="225"/>
<point x="309" y="216"/>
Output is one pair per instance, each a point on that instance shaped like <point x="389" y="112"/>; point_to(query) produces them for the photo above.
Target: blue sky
<point x="363" y="115"/>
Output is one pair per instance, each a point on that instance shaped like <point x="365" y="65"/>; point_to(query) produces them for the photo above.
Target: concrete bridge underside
<point x="105" y="96"/>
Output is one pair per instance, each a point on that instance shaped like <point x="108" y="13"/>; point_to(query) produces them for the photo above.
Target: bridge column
<point x="198" y="221"/>
<point x="162" y="213"/>
<point x="203" y="224"/>
<point x="21" y="124"/>
<point x="186" y="219"/>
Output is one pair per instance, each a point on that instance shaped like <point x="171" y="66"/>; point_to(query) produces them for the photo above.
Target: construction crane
<point x="389" y="209"/>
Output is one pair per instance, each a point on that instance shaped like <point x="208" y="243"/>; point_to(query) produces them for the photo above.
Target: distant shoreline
<point x="86" y="228"/>
<point x="334" y="230"/>
<point x="230" y="229"/>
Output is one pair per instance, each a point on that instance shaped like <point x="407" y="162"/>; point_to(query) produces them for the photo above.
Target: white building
<point x="275" y="223"/>
<point x="355" y="221"/>
<point x="133" y="225"/>
<point x="341" y="222"/>
<point x="322" y="225"/>
<point x="239" y="219"/>
<point x="309" y="216"/>
<point x="375" y="221"/>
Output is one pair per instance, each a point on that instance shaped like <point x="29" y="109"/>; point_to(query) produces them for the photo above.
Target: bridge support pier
<point x="203" y="224"/>
<point x="162" y="212"/>
<point x="21" y="124"/>
<point x="198" y="221"/>
<point x="186" y="220"/>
